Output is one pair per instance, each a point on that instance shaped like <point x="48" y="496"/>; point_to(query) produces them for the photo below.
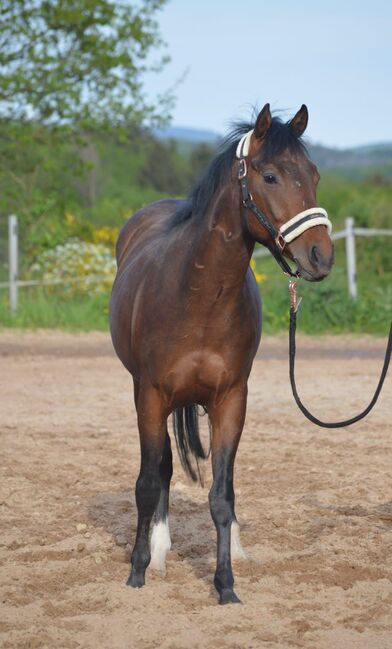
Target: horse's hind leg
<point x="227" y="419"/>
<point x="160" y="538"/>
<point x="152" y="430"/>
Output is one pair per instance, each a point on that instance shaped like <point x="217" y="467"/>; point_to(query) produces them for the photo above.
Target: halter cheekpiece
<point x="290" y="230"/>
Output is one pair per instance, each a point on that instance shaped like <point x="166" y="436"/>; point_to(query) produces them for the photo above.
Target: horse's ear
<point x="263" y="122"/>
<point x="300" y="121"/>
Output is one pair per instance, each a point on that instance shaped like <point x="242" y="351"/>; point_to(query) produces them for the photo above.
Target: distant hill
<point x="186" y="134"/>
<point x="368" y="155"/>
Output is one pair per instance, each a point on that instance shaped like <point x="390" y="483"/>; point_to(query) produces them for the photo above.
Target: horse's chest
<point x="201" y="371"/>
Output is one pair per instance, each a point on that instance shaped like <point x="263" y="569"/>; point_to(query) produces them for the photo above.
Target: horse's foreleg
<point x="227" y="419"/>
<point x="160" y="538"/>
<point x="152" y="430"/>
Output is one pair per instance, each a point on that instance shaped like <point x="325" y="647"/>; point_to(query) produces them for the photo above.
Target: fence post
<point x="13" y="262"/>
<point x="351" y="261"/>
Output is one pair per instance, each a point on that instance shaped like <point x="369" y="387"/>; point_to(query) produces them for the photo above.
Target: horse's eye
<point x="270" y="178"/>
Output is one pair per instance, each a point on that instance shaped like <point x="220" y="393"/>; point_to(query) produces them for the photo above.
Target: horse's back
<point x="149" y="223"/>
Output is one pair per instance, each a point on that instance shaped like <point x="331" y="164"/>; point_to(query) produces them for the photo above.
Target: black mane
<point x="279" y="138"/>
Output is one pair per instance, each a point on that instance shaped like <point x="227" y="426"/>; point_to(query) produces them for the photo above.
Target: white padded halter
<point x="303" y="221"/>
<point x="300" y="222"/>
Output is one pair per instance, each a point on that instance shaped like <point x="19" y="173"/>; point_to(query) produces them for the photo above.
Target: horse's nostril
<point x="315" y="256"/>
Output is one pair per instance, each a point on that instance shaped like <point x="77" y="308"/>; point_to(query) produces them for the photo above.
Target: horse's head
<point x="282" y="181"/>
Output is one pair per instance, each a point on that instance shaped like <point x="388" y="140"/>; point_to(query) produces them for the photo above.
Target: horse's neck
<point x="221" y="249"/>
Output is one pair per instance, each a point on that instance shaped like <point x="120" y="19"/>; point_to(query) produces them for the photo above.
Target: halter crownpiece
<point x="243" y="145"/>
<point x="295" y="226"/>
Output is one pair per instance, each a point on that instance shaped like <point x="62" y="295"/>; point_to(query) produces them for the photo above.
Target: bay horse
<point x="185" y="315"/>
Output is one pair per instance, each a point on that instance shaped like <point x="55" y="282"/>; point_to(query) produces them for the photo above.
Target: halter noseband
<point x="290" y="230"/>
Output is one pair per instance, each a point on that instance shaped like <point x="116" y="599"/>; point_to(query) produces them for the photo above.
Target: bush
<point x="78" y="265"/>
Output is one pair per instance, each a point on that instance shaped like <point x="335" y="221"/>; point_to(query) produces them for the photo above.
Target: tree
<point x="79" y="63"/>
<point x="69" y="69"/>
<point x="164" y="168"/>
<point x="200" y="157"/>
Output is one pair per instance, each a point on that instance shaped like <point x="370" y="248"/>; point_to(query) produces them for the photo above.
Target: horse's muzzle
<point x="316" y="267"/>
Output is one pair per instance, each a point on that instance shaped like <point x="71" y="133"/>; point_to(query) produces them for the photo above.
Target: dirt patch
<point x="315" y="507"/>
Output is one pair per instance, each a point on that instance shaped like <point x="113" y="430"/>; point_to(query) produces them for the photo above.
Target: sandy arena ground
<point x="315" y="507"/>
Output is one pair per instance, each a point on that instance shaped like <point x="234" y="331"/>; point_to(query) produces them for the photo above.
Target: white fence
<point x="349" y="233"/>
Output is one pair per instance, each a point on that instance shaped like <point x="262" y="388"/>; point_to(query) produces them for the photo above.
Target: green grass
<point x="42" y="309"/>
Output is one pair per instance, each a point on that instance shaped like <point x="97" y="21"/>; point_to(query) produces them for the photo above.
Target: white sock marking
<point x="237" y="551"/>
<point x="160" y="545"/>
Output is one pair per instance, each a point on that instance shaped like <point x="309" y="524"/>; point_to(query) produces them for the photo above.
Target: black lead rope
<point x="292" y="349"/>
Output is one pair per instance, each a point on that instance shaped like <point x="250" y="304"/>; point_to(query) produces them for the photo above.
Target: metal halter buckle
<point x="242" y="169"/>
<point x="280" y="242"/>
<point x="246" y="201"/>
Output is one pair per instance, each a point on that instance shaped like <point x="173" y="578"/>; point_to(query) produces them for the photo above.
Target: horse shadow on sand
<point x="191" y="527"/>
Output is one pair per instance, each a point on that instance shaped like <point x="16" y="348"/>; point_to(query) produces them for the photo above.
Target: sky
<point x="335" y="56"/>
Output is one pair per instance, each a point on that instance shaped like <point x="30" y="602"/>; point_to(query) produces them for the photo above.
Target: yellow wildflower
<point x="105" y="234"/>
<point x="260" y="277"/>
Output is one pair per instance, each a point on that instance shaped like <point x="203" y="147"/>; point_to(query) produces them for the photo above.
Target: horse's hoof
<point x="228" y="596"/>
<point x="136" y="580"/>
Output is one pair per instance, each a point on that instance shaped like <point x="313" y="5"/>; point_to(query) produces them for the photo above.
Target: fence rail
<point x="349" y="233"/>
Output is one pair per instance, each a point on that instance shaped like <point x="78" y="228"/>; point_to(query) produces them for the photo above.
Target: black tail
<point x="186" y="432"/>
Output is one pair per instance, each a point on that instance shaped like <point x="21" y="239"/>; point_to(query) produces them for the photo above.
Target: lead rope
<point x="294" y="304"/>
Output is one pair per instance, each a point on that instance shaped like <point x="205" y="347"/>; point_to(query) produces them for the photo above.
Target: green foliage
<point x="36" y="179"/>
<point x="121" y="174"/>
<point x="200" y="157"/>
<point x="368" y="201"/>
<point x="370" y="205"/>
<point x="68" y="70"/>
<point x="78" y="62"/>
<point x="163" y="168"/>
